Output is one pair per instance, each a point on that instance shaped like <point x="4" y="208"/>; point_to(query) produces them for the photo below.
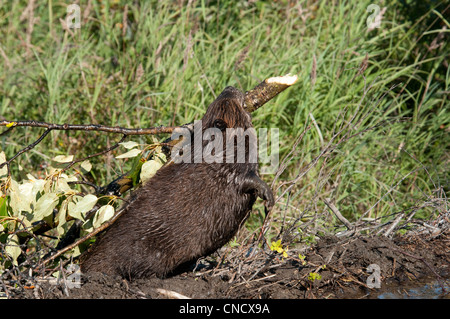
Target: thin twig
<point x="338" y="214"/>
<point x="29" y="147"/>
<point x="394" y="224"/>
<point x="109" y="149"/>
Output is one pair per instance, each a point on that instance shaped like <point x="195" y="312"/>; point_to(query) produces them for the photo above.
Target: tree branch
<point x="267" y="90"/>
<point x="90" y="127"/>
<point x="254" y="99"/>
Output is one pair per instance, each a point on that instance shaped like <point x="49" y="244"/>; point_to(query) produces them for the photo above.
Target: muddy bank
<point x="333" y="268"/>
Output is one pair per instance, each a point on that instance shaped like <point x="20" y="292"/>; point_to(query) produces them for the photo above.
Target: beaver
<point x="186" y="210"/>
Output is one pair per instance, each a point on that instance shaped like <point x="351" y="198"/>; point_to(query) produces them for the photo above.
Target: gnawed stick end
<point x="267" y="90"/>
<point x="287" y="79"/>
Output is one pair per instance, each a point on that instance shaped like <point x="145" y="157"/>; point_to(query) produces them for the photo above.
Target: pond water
<point x="428" y="290"/>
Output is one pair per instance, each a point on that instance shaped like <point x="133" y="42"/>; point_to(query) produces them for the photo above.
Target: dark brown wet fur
<point x="185" y="211"/>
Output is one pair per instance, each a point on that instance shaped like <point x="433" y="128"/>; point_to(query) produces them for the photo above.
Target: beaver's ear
<point x="220" y="124"/>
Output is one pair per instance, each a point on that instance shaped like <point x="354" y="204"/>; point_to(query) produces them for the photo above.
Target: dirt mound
<point x="333" y="268"/>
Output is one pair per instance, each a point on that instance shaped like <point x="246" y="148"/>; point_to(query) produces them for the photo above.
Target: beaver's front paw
<point x="265" y="193"/>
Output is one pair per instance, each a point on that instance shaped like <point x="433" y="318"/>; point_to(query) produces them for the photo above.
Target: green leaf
<point x="314" y="276"/>
<point x="21" y="197"/>
<point x="276" y="245"/>
<point x="3" y="210"/>
<point x="135" y="172"/>
<point x="61" y="186"/>
<point x="71" y="210"/>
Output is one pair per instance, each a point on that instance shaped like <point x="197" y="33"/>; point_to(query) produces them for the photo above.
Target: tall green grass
<point x="162" y="62"/>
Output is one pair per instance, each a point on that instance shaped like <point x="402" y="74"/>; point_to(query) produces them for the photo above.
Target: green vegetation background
<point x="143" y="64"/>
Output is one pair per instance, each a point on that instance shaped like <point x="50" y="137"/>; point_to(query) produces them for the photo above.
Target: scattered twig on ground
<point x="350" y="228"/>
<point x="171" y="294"/>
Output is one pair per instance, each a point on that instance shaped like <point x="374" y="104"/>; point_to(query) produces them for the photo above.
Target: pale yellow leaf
<point x="149" y="169"/>
<point x="86" y="166"/>
<point x="45" y="205"/>
<point x="4" y="169"/>
<point x="133" y="153"/>
<point x="63" y="158"/>
<point x="12" y="248"/>
<point x="129" y="144"/>
<point x="102" y="215"/>
<point x="84" y="205"/>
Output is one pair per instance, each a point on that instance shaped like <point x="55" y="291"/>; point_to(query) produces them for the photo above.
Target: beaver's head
<point x="227" y="111"/>
<point x="226" y="115"/>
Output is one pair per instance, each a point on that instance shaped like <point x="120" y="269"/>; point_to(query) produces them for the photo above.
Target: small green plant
<point x="313" y="276"/>
<point x="302" y="259"/>
<point x="276" y="246"/>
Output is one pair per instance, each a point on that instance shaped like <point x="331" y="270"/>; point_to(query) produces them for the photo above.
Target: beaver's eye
<point x="220" y="124"/>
